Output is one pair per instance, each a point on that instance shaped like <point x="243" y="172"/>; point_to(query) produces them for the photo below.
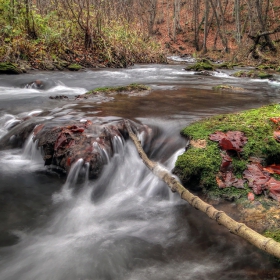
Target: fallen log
<point x="266" y="244"/>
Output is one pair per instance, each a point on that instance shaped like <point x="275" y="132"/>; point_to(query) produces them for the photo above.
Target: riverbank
<point x="235" y="157"/>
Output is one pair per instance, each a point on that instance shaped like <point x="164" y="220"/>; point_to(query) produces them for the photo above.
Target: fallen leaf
<point x="226" y="162"/>
<point x="273" y="168"/>
<point x="231" y="140"/>
<point x="227" y="179"/>
<point x="276" y="135"/>
<point x="60" y="141"/>
<point x="276" y="120"/>
<point x="256" y="177"/>
<point x="251" y="196"/>
<point x="273" y="186"/>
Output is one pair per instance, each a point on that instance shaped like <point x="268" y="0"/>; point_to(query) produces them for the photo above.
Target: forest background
<point x="52" y="34"/>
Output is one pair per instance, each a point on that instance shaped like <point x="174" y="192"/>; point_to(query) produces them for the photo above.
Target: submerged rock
<point x="38" y="84"/>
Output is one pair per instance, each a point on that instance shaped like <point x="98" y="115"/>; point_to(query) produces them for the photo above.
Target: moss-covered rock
<point x="224" y="87"/>
<point x="253" y="74"/>
<point x="266" y="67"/>
<point x="201" y="65"/>
<point x="201" y="165"/>
<point x="9" y="68"/>
<point x="120" y="89"/>
<point x="226" y="65"/>
<point x="74" y="67"/>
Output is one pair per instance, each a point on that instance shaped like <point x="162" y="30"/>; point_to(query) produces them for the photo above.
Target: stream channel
<point x="126" y="224"/>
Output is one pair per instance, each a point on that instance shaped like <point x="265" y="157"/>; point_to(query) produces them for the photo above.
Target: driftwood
<point x="266" y="244"/>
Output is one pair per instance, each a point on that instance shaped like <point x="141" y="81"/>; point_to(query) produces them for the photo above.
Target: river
<point x="126" y="224"/>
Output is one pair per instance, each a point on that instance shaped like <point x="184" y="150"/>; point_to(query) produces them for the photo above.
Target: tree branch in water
<point x="266" y="244"/>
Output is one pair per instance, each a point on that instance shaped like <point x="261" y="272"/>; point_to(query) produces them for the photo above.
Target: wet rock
<point x="201" y="65"/>
<point x="38" y="84"/>
<point x="94" y="143"/>
<point x="59" y="97"/>
<point x="203" y="73"/>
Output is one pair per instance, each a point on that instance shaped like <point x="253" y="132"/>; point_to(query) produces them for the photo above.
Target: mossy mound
<point x="266" y="67"/>
<point x="74" y="67"/>
<point x="201" y="65"/>
<point x="9" y="68"/>
<point x="274" y="234"/>
<point x="253" y="74"/>
<point x="226" y="65"/>
<point x="205" y="64"/>
<point x="199" y="166"/>
<point x="227" y="88"/>
<point x="120" y="89"/>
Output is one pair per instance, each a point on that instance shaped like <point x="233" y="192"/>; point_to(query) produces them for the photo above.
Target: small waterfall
<point x="72" y="178"/>
<point x="118" y="144"/>
<point x="103" y="153"/>
<point x="6" y="123"/>
<point x="31" y="151"/>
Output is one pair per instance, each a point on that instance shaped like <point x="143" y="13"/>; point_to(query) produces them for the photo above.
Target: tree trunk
<point x="266" y="244"/>
<point x="237" y="21"/>
<point x="205" y="26"/>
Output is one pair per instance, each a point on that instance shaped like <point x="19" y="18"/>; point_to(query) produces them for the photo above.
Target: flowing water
<point x="125" y="224"/>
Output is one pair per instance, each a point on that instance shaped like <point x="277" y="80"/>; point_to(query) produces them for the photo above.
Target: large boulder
<point x="64" y="145"/>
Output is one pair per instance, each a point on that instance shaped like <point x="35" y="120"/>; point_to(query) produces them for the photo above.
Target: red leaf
<point x="60" y="141"/>
<point x="273" y="168"/>
<point x="227" y="179"/>
<point x="256" y="177"/>
<point x="275" y="120"/>
<point x="251" y="196"/>
<point x="274" y="189"/>
<point x="75" y="128"/>
<point x="276" y="135"/>
<point x="232" y="140"/>
<point x="226" y="162"/>
<point x="221" y="184"/>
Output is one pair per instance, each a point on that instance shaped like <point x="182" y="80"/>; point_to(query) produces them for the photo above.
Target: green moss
<point x="201" y="65"/>
<point x="254" y="74"/>
<point x="120" y="89"/>
<point x="204" y="164"/>
<point x="264" y="75"/>
<point x="273" y="234"/>
<point x="266" y="67"/>
<point x="9" y="68"/>
<point x="225" y="65"/>
<point x="230" y="194"/>
<point x="74" y="67"/>
<point x="227" y="88"/>
<point x="199" y="165"/>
